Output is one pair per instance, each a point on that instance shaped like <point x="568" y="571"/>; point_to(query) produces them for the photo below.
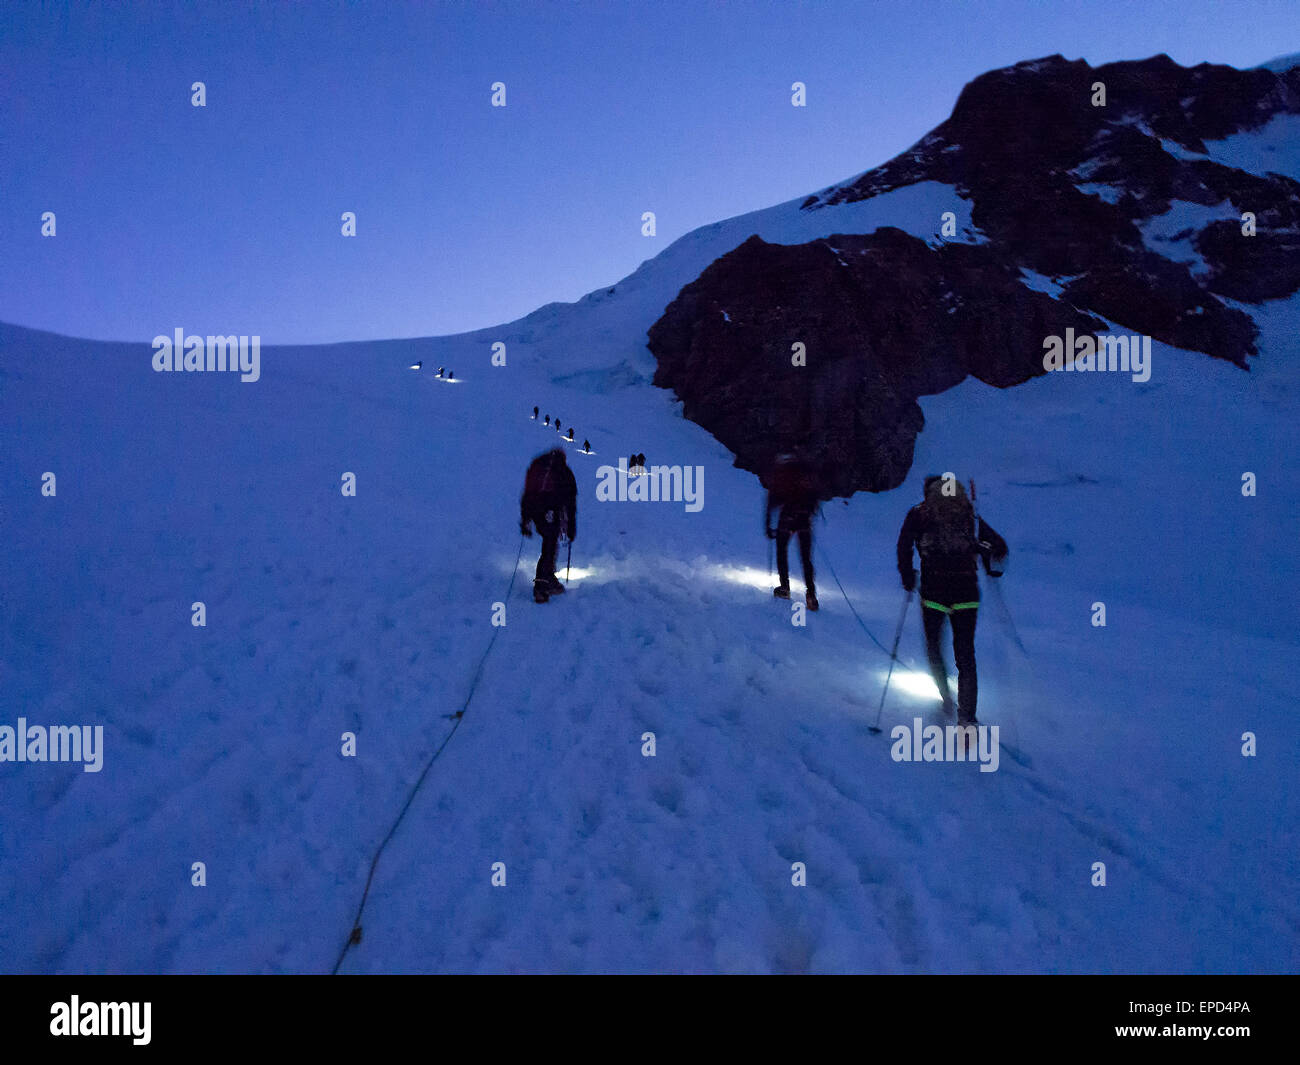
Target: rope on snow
<point x="354" y="937"/>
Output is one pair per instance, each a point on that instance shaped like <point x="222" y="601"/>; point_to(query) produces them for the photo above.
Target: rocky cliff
<point x="1128" y="211"/>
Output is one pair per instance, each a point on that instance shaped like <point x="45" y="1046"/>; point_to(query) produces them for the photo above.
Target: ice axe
<point x="893" y="657"/>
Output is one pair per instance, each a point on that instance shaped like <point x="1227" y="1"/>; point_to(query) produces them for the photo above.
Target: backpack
<point x="791" y="482"/>
<point x="540" y="481"/>
<point x="544" y="485"/>
<point x="948" y="524"/>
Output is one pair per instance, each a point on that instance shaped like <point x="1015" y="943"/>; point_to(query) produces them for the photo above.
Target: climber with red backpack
<point x="792" y="489"/>
<point x="550" y="502"/>
<point x="945" y="532"/>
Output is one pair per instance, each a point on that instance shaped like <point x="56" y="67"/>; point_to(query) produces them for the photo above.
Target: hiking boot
<point x="541" y="591"/>
<point x="811" y="600"/>
<point x="781" y="591"/>
<point x="967" y="738"/>
<point x="964" y="719"/>
<point x="555" y="586"/>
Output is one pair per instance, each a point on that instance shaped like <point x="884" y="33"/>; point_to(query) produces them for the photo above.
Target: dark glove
<point x="525" y="528"/>
<point x="909" y="580"/>
<point x="572" y="531"/>
<point x="994" y="565"/>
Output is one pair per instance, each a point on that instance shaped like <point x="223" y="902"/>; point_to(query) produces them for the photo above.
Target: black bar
<point x="337" y="1015"/>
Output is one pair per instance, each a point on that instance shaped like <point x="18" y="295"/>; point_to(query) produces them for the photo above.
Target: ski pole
<point x="893" y="657"/>
<point x="568" y="559"/>
<point x="999" y="603"/>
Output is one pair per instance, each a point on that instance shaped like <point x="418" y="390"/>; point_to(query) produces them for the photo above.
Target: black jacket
<point x="550" y="488"/>
<point x="791" y="488"/>
<point x="950" y="578"/>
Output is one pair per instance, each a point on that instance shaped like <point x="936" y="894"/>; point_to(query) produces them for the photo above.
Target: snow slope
<point x="370" y="614"/>
<point x="1282" y="63"/>
<point x="598" y="342"/>
<point x="1273" y="148"/>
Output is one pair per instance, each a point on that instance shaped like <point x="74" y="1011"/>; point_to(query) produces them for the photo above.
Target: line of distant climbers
<point x="635" y="463"/>
<point x="546" y="420"/>
<point x="442" y="370"/>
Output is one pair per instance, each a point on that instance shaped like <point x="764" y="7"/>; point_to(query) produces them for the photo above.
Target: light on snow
<point x="913" y="682"/>
<point x="751" y="576"/>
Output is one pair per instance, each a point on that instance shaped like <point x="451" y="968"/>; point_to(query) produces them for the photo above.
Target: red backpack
<point x="542" y="484"/>
<point x="791" y="482"/>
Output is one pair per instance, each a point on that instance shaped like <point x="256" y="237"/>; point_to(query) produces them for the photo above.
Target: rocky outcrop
<point x="883" y="318"/>
<point x="1059" y="187"/>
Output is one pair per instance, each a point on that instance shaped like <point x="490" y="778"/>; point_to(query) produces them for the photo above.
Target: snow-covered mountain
<point x="1131" y="199"/>
<point x="1282" y="63"/>
<point x="371" y="614"/>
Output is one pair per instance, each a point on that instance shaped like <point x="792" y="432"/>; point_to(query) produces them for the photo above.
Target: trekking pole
<point x="995" y="589"/>
<point x="893" y="657"/>
<point x="568" y="559"/>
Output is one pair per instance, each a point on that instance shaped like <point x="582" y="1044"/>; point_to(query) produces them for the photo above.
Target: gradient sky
<point x="225" y="219"/>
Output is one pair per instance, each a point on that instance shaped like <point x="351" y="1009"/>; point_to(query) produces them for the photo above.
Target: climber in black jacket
<point x="943" y="531"/>
<point x="550" y="502"/>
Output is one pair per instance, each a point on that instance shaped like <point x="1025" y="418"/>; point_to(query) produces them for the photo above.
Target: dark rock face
<point x="883" y="318"/>
<point x="1059" y="187"/>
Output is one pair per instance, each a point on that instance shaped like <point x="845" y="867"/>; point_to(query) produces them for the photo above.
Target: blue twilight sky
<point x="226" y="218"/>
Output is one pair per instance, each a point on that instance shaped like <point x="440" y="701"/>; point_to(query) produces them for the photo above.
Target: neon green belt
<point x="949" y="609"/>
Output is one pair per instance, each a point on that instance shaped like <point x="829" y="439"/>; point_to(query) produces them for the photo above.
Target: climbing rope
<point x="1009" y="718"/>
<point x="355" y="936"/>
<point x="831" y="566"/>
